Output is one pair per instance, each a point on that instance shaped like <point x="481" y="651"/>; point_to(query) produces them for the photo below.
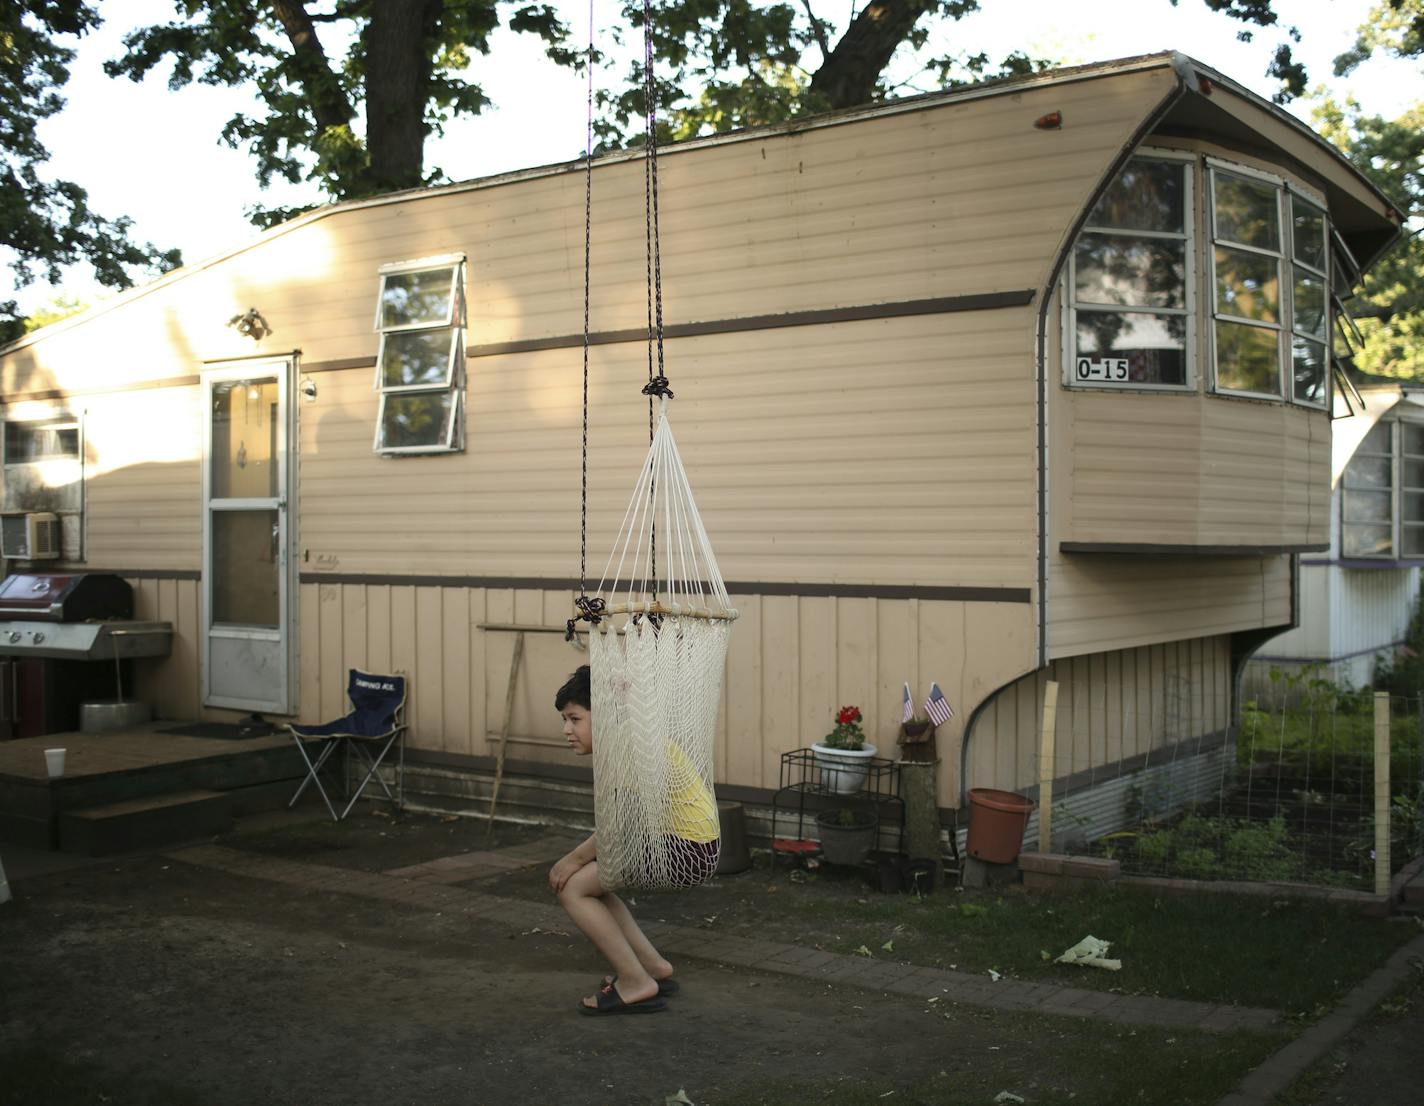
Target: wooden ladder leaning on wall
<point x="504" y="736"/>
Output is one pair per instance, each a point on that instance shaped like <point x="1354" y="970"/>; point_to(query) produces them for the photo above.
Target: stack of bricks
<point x="1059" y="872"/>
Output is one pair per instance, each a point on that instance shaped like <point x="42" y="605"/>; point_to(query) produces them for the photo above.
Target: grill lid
<point x="65" y="596"/>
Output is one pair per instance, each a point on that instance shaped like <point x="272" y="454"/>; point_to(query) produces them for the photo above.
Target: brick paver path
<point x="427" y="886"/>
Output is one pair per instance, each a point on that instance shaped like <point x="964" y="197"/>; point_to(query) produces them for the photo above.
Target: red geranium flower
<point x="848" y="715"/>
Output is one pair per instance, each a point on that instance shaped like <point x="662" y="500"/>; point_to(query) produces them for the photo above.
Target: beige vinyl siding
<point x="960" y="198"/>
<point x="1112" y="707"/>
<point x="918" y="422"/>
<point x="792" y="662"/>
<point x="1193" y="470"/>
<point x="170" y="685"/>
<point x="887" y="451"/>
<point x="143" y="479"/>
<point x="1101" y="601"/>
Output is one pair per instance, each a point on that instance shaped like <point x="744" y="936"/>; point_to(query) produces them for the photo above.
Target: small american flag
<point x="937" y="706"/>
<point x="909" y="709"/>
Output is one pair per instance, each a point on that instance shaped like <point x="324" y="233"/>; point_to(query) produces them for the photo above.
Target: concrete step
<point x="1411" y="899"/>
<point x="144" y="823"/>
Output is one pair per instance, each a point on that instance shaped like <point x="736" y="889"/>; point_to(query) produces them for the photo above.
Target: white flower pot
<point x="843" y="771"/>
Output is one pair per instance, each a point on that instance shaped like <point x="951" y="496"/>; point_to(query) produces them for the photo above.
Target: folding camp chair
<point x="376" y="724"/>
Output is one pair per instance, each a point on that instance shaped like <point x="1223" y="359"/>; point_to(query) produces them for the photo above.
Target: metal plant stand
<point x="804" y="790"/>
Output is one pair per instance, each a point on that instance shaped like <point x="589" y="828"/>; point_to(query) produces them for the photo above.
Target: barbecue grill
<point x="56" y="631"/>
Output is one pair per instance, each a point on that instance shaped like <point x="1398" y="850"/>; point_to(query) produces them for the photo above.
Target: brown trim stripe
<point x="985" y="301"/>
<point x="142" y="573"/>
<point x="548" y="771"/>
<point x="1092" y="777"/>
<point x="140" y="386"/>
<point x="337" y="365"/>
<point x="275" y="355"/>
<point x="806" y="590"/>
<point x="1186" y="550"/>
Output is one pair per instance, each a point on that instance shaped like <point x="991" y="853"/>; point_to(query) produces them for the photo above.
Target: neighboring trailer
<point x="913" y="461"/>
<point x="1357" y="599"/>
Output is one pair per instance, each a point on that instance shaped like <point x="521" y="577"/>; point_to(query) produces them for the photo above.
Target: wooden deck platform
<point x="102" y="769"/>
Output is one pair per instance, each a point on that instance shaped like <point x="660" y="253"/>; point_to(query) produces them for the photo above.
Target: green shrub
<point x="1259" y="850"/>
<point x="1153" y="849"/>
<point x="1217" y="847"/>
<point x="1198" y="862"/>
<point x="1403" y="672"/>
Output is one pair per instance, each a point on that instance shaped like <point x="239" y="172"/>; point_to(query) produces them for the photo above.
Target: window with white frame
<point x="1310" y="303"/>
<point x="1247" y="255"/>
<point x="1130" y="281"/>
<point x="43" y="456"/>
<point x="1382" y="494"/>
<point x="42" y="441"/>
<point x="1271" y="289"/>
<point x="420" y="315"/>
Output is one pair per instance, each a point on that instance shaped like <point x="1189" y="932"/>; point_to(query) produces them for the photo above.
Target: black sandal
<point x="666" y="987"/>
<point x="611" y="1002"/>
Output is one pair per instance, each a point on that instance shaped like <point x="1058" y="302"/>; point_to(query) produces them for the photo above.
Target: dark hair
<point x="576" y="690"/>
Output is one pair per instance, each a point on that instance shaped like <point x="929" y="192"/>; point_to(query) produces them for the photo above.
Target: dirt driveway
<point x="152" y="980"/>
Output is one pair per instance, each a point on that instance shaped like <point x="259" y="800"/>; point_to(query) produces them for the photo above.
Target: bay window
<point x="1131" y="319"/>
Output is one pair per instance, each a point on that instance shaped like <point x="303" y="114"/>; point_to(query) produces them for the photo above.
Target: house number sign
<point x="1102" y="368"/>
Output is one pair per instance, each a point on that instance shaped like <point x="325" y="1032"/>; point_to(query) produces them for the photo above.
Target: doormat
<point x="228" y="731"/>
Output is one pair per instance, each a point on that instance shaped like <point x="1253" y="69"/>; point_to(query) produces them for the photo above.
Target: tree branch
<point x="330" y="107"/>
<point x="818" y="29"/>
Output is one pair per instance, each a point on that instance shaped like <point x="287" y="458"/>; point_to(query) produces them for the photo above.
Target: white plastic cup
<point x="54" y="758"/>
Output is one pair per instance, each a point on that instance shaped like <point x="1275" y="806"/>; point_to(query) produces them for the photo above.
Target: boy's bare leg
<point x="583" y="900"/>
<point x="652" y="961"/>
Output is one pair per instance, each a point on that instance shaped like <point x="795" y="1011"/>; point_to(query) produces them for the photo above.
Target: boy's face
<point x="578" y="728"/>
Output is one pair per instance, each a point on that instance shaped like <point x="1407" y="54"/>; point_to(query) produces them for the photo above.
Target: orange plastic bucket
<point x="997" y="820"/>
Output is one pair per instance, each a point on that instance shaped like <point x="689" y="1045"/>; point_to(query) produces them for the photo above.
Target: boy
<point x="641" y="977"/>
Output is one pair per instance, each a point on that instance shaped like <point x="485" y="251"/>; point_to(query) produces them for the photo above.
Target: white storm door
<point x="246" y="585"/>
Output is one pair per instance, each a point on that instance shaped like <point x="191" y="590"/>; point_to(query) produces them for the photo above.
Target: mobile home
<point x="1357" y="596"/>
<point x="1018" y="381"/>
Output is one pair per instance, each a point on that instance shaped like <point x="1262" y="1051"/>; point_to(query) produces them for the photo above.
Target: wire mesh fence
<point x="1292" y="794"/>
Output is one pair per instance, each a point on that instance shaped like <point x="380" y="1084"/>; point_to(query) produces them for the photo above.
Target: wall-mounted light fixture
<point x="251" y="325"/>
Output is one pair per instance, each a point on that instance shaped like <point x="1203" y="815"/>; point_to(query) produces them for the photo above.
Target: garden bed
<point x="1301" y="817"/>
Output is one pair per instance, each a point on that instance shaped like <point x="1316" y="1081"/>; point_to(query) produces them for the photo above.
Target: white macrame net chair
<point x="656" y="660"/>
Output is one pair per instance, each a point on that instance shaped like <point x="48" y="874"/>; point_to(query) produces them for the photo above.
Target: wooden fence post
<point x="1381" y="793"/>
<point x="1045" y="767"/>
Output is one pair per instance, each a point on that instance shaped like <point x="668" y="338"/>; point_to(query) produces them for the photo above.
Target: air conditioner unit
<point x="31" y="537"/>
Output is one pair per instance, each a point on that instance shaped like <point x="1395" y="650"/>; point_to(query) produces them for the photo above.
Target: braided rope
<point x="589" y="609"/>
<point x="657" y="680"/>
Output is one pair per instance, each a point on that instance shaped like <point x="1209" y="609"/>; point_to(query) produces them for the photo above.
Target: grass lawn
<point x="1104" y="1065"/>
<point x="1278" y="953"/>
<point x="1283" y="954"/>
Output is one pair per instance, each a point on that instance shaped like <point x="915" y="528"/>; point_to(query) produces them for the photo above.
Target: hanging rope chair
<point x="659" y="623"/>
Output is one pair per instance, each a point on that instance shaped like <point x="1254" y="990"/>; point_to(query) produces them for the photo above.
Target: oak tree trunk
<point x="399" y="41"/>
<point x="847" y="77"/>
